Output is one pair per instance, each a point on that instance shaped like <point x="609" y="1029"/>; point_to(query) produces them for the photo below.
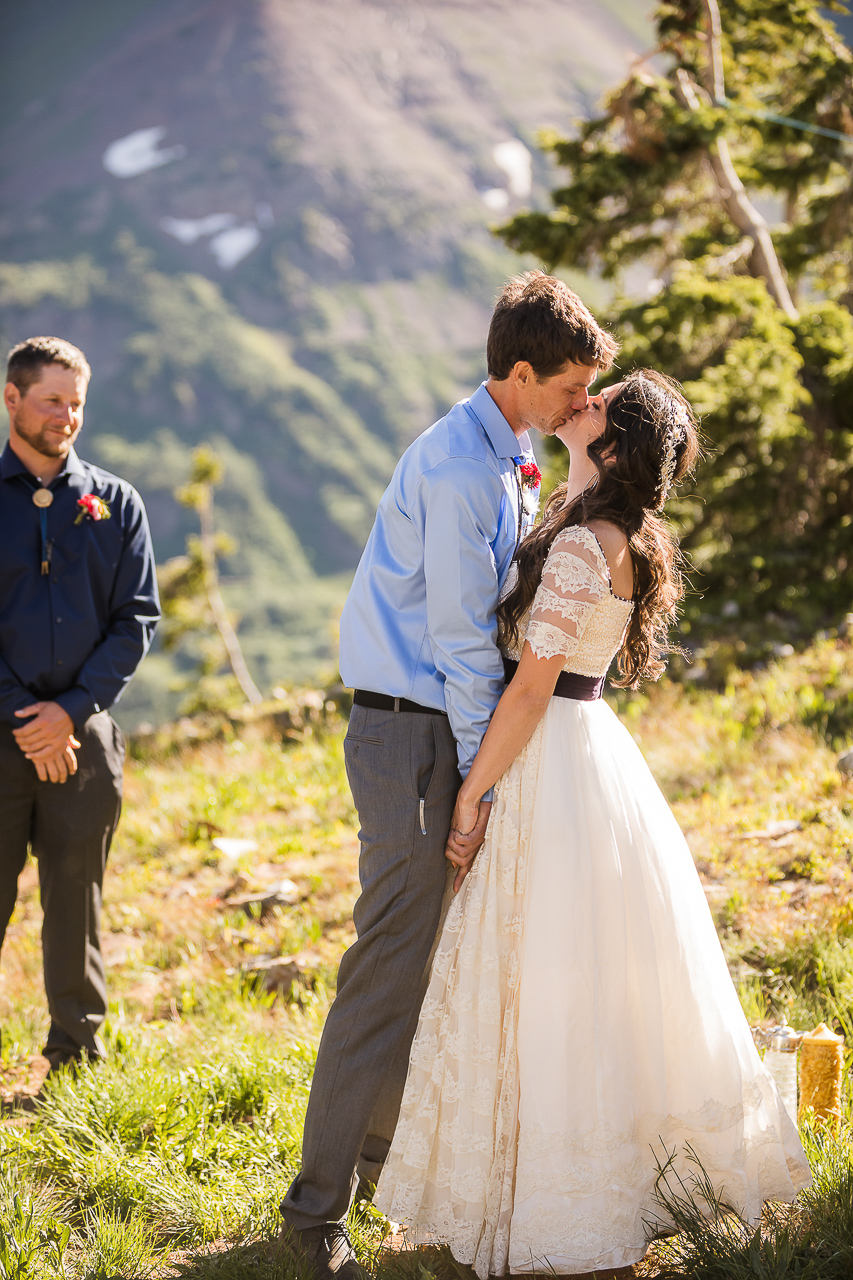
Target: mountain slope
<point x="266" y="223"/>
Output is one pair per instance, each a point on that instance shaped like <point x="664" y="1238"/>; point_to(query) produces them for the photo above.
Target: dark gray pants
<point x="394" y="760"/>
<point x="68" y="826"/>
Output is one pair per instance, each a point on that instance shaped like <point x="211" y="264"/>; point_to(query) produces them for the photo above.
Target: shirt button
<point x="55" y="579"/>
<point x="58" y="619"/>
<point x="59" y="662"/>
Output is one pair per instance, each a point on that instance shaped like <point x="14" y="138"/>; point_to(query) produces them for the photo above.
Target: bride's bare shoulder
<point x="614" y="545"/>
<point x="611" y="539"/>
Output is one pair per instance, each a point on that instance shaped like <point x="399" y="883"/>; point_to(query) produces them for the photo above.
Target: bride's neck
<point x="582" y="473"/>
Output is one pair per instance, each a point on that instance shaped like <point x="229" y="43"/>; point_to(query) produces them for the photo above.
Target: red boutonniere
<point x="94" y="508"/>
<point x="531" y="476"/>
<point x="528" y="477"/>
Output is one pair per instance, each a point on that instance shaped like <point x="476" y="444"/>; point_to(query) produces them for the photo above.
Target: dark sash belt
<point x="569" y="683"/>
<point x="384" y="702"/>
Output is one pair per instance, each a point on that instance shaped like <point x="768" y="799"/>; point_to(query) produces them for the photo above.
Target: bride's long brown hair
<point x="650" y="442"/>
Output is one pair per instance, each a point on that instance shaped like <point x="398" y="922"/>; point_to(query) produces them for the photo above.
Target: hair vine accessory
<point x="673" y="435"/>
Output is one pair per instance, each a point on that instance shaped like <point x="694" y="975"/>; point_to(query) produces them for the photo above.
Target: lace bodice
<point x="574" y="611"/>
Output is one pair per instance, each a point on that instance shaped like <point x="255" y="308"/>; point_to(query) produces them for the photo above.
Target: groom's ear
<point x="522" y="373"/>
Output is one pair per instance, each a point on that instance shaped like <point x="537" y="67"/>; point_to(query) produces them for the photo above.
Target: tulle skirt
<point x="580" y="1029"/>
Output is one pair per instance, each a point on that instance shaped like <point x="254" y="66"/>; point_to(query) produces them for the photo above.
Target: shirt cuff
<point x="78" y="704"/>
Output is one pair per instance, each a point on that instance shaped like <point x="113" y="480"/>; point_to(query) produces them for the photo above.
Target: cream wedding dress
<point x="580" y="1022"/>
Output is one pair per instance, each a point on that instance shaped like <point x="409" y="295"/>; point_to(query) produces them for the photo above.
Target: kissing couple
<point x="514" y="1087"/>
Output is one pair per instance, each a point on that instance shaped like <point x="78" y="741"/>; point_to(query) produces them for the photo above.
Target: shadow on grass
<point x="263" y="1260"/>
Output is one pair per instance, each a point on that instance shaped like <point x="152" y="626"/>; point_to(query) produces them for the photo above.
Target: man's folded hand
<point x="48" y="740"/>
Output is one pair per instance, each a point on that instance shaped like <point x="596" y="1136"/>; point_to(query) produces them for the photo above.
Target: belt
<point x="383" y="702"/>
<point x="569" y="683"/>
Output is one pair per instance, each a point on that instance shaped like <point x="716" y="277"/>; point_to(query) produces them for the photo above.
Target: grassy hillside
<point x="171" y="1158"/>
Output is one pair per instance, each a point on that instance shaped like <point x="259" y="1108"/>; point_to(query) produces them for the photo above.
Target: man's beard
<point x="47" y="444"/>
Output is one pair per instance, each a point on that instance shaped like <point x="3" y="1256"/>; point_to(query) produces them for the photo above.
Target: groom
<point x="419" y="647"/>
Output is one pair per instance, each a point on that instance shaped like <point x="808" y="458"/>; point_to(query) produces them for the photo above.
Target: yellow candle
<point x="821" y="1072"/>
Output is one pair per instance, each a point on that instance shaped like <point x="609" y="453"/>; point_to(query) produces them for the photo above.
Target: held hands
<point x="467" y="831"/>
<point x="48" y="740"/>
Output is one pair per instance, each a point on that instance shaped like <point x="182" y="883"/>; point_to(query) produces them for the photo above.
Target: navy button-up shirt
<point x="76" y="634"/>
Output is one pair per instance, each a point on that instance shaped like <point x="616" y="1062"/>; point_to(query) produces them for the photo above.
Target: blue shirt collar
<point x="11" y="465"/>
<point x="502" y="438"/>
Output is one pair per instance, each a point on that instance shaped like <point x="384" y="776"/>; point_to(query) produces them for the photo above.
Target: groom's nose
<point x="580" y="399"/>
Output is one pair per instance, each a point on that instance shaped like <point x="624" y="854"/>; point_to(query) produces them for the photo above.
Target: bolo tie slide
<point x="43" y="499"/>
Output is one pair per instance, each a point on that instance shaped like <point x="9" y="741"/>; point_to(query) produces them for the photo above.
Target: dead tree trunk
<point x="764" y="261"/>
<point x="214" y="596"/>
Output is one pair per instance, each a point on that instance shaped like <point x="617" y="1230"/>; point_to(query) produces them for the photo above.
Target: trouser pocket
<point x="426" y="757"/>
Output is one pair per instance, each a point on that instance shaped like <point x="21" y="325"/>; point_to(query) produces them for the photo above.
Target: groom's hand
<point x="467" y="831"/>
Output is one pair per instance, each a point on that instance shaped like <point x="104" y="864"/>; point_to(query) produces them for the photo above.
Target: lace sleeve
<point x="574" y="579"/>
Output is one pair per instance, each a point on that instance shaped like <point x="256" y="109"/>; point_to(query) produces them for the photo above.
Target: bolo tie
<point x="516" y="462"/>
<point x="43" y="498"/>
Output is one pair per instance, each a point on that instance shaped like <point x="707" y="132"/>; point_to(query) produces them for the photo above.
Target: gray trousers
<point x="69" y="827"/>
<point x="394" y="761"/>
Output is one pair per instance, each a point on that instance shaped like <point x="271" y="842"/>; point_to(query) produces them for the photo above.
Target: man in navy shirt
<point x="78" y="608"/>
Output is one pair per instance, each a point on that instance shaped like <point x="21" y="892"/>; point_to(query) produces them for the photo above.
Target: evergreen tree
<point x="751" y="310"/>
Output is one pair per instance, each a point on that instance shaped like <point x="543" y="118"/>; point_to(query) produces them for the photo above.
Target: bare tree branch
<point x="764" y="261"/>
<point x="714" y="78"/>
<point x="214" y="596"/>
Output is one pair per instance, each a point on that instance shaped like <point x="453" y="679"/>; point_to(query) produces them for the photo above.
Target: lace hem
<point x="549" y="641"/>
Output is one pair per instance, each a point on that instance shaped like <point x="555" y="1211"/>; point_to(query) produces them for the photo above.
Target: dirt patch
<point x="20" y="1085"/>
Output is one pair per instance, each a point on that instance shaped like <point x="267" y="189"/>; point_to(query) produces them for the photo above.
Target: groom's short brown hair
<point x="539" y="319"/>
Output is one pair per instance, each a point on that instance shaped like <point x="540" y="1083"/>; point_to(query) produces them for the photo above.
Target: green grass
<point x="812" y="1240"/>
<point x="170" y="1158"/>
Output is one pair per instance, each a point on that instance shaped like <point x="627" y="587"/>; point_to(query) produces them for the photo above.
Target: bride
<point x="580" y="1026"/>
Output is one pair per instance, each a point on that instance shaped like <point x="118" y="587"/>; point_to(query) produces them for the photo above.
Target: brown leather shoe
<point x="327" y="1250"/>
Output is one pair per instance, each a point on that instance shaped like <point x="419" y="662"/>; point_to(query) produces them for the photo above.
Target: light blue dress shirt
<point x="419" y="621"/>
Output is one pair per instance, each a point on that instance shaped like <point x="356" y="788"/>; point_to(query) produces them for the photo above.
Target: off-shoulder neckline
<point x="597" y="547"/>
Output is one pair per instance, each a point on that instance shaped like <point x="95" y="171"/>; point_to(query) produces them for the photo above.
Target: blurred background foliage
<point x="770" y="369"/>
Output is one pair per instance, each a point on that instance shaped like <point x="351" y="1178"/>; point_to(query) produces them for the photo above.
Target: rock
<point x="279" y="973"/>
<point x="181" y="889"/>
<point x="785" y="827"/>
<point x="779" y="832"/>
<point x="232" y="848"/>
<point x="284" y="894"/>
<point x="237" y="885"/>
<point x="845" y="763"/>
<point x="800" y="891"/>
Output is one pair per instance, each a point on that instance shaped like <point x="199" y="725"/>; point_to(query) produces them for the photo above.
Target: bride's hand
<point x="467" y="830"/>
